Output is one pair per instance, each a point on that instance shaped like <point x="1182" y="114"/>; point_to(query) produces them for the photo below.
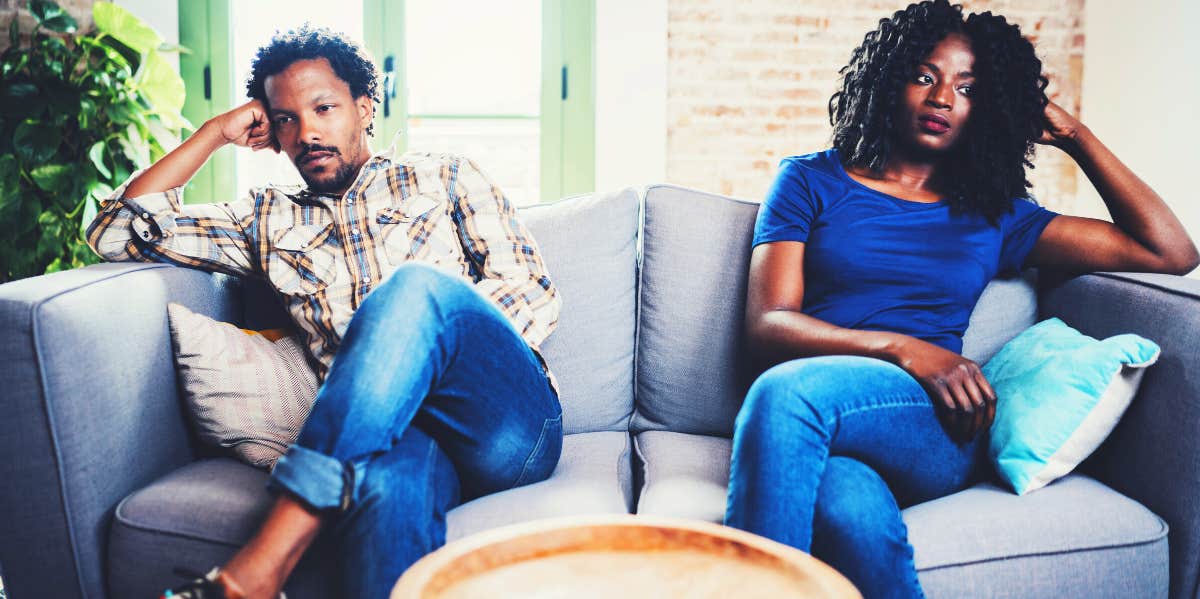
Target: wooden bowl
<point x="621" y="556"/>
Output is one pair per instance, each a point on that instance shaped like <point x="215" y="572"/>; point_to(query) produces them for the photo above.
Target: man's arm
<point x="513" y="275"/>
<point x="145" y="219"/>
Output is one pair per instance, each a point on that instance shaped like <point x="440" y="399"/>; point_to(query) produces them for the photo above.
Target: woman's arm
<point x="1144" y="235"/>
<point x="776" y="331"/>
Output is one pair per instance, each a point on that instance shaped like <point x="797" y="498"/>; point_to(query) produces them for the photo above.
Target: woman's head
<point x="931" y="83"/>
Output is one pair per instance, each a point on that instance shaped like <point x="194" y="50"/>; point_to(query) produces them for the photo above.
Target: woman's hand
<point x="956" y="385"/>
<point x="1059" y="128"/>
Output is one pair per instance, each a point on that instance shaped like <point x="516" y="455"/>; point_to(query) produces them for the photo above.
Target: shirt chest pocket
<point x="303" y="262"/>
<point x="417" y="229"/>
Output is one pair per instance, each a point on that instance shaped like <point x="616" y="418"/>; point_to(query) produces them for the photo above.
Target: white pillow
<point x="243" y="391"/>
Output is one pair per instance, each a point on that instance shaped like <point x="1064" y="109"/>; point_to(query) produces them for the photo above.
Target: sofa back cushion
<point x="696" y="251"/>
<point x="589" y="244"/>
<point x="691" y="373"/>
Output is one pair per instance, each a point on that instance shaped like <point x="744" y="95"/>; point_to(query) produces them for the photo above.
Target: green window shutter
<point x="204" y="27"/>
<point x="383" y="29"/>
<point x="568" y="98"/>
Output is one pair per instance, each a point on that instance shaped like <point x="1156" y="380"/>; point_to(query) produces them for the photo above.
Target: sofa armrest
<point x="89" y="411"/>
<point x="1152" y="455"/>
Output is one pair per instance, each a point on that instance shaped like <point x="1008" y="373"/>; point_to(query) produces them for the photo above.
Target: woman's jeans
<point x="827" y="450"/>
<point x="433" y="399"/>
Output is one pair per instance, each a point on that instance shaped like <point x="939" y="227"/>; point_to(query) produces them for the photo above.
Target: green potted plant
<point x="79" y="113"/>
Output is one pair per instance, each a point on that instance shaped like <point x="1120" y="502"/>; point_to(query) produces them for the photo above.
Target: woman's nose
<point x="941" y="96"/>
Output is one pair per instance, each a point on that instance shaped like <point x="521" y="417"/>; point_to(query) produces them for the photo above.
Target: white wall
<point x="1141" y="85"/>
<point x="631" y="93"/>
<point x="162" y="15"/>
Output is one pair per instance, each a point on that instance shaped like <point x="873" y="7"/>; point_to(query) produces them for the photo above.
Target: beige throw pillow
<point x="243" y="391"/>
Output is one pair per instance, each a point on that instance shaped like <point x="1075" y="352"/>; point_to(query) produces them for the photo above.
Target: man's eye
<point x="923" y="78"/>
<point x="283" y="120"/>
<point x="324" y="107"/>
<point x="967" y="90"/>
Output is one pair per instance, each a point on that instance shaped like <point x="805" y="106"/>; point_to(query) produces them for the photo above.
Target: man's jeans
<point x="433" y="399"/>
<point x="827" y="450"/>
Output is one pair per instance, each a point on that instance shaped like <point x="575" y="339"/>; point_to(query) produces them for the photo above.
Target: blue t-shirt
<point x="876" y="262"/>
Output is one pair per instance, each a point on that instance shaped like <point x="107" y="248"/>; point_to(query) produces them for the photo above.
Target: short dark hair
<point x="350" y="62"/>
<point x="988" y="171"/>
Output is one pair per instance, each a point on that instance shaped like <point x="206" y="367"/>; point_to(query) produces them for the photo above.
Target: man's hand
<point x="247" y="125"/>
<point x="956" y="385"/>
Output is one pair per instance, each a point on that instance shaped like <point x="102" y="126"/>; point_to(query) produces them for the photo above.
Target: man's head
<point x="320" y="91"/>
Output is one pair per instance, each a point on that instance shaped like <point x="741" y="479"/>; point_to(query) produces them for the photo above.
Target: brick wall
<point x="749" y="82"/>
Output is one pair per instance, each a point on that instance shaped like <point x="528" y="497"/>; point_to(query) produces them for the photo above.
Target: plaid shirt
<point x="324" y="254"/>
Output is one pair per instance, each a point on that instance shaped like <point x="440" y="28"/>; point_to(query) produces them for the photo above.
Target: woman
<point x="868" y="260"/>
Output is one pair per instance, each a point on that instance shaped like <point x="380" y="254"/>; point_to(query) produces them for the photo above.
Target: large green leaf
<point x="35" y="142"/>
<point x="161" y="84"/>
<point x="96" y="154"/>
<point x="52" y="178"/>
<point x="51" y="16"/>
<point x="124" y="26"/>
<point x="10" y="182"/>
<point x="20" y="99"/>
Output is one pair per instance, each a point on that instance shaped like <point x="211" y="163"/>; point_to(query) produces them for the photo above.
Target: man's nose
<point x="308" y="130"/>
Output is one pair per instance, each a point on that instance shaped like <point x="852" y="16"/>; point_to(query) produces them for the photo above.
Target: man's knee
<point x="415" y="286"/>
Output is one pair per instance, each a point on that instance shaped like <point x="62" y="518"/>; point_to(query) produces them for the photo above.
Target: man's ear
<point x="366" y="110"/>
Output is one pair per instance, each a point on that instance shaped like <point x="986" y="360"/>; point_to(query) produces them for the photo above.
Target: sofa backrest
<point x="691" y="374"/>
<point x="589" y="244"/>
<point x="696" y="250"/>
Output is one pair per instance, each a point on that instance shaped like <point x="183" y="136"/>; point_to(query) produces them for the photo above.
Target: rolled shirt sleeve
<point x="159" y="227"/>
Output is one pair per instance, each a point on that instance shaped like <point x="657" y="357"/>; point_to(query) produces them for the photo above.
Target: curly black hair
<point x="986" y="172"/>
<point x="350" y="62"/>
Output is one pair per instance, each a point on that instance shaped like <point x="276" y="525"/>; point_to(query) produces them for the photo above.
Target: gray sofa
<point x="106" y="491"/>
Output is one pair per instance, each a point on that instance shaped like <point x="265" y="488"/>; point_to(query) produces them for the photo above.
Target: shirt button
<point x="354" y="231"/>
<point x="349" y="200"/>
<point x="366" y="278"/>
<point x="145" y="215"/>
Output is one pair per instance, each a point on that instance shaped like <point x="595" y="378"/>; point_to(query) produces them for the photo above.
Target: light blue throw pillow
<point x="1059" y="395"/>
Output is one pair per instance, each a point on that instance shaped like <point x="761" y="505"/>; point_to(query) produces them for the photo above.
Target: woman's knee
<point x="799" y="389"/>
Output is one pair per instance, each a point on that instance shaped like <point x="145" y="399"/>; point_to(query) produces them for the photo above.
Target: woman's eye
<point x="283" y="120"/>
<point x="924" y="78"/>
<point x="324" y="107"/>
<point x="967" y="90"/>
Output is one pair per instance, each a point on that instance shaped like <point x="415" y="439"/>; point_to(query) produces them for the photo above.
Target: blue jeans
<point x="433" y="399"/>
<point x="827" y="450"/>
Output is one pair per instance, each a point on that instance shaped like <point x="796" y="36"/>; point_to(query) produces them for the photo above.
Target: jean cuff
<point x="318" y="480"/>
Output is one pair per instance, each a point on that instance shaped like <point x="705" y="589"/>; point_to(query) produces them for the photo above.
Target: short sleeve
<point x="1021" y="229"/>
<point x="789" y="209"/>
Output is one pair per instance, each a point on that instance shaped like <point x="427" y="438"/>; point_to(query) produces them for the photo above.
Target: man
<point x="413" y="271"/>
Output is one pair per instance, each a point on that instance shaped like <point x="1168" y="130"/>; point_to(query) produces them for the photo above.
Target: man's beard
<point x="343" y="174"/>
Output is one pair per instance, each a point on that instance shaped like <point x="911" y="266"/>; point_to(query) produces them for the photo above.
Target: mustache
<point x="310" y="148"/>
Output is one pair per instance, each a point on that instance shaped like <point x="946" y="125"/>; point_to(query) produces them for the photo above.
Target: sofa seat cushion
<point x="1075" y="537"/>
<point x="594" y="476"/>
<point x="197" y="516"/>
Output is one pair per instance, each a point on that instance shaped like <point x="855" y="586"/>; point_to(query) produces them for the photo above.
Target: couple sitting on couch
<point x="416" y="273"/>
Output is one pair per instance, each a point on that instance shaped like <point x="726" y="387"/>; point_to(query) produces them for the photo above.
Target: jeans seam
<point x="431" y="482"/>
<point x="896" y="403"/>
<point x="536" y="449"/>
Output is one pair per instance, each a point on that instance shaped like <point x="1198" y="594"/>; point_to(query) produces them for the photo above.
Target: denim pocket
<point x="544" y="457"/>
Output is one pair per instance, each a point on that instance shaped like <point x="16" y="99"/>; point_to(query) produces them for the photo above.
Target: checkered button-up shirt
<point x="324" y="254"/>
